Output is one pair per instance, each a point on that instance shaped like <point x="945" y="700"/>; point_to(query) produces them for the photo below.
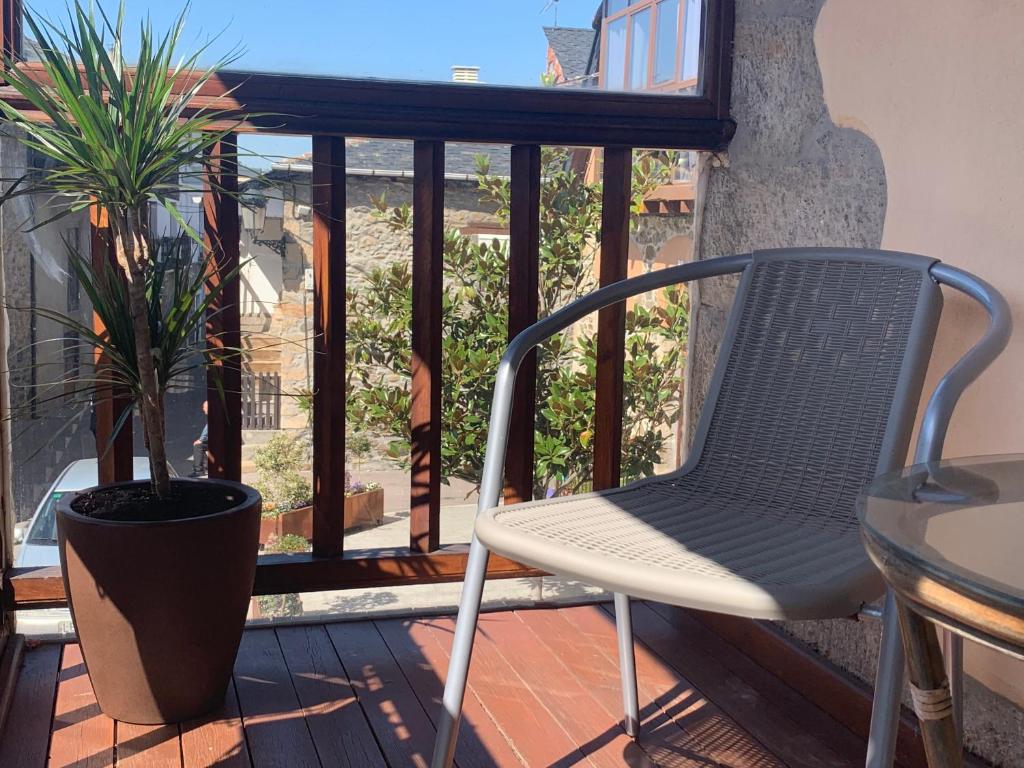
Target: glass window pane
<point x="614" y="6"/>
<point x="691" y="40"/>
<point x="666" y="41"/>
<point x="615" y="77"/>
<point x="641" y="41"/>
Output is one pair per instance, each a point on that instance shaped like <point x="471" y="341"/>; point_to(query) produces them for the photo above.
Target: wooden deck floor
<point x="544" y="692"/>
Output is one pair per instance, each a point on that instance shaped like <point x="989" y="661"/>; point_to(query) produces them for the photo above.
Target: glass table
<point x="949" y="539"/>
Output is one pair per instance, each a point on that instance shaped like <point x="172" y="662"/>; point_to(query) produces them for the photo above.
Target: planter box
<point x="361" y="510"/>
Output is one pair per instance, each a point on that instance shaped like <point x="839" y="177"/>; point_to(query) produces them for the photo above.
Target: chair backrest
<point x="818" y="381"/>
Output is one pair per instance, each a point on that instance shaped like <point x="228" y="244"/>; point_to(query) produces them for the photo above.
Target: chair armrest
<point x="951" y="386"/>
<point x="501" y="405"/>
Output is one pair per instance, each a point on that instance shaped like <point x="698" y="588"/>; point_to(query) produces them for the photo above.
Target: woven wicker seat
<point x="656" y="541"/>
<point x="814" y="393"/>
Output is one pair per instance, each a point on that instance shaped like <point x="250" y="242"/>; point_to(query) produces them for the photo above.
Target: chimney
<point x="462" y="74"/>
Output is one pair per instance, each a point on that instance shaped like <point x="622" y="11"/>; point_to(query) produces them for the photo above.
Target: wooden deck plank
<point x="424" y="661"/>
<point x="402" y="727"/>
<point x="811" y="718"/>
<point x="27" y="731"/>
<point x="83" y="737"/>
<point x="597" y="735"/>
<point x="661" y="738"/>
<point x="217" y="739"/>
<point x="760" y="715"/>
<point x="711" y="733"/>
<point x="529" y="726"/>
<point x="148" y="746"/>
<point x="340" y="730"/>
<point x="544" y="690"/>
<point x="276" y="732"/>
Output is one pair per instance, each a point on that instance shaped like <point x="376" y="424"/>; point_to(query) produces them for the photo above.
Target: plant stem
<point x="133" y="256"/>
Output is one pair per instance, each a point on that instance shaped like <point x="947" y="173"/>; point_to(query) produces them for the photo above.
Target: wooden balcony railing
<point x="330" y="109"/>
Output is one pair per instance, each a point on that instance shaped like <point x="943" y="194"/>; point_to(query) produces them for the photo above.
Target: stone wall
<point x="791" y="177"/>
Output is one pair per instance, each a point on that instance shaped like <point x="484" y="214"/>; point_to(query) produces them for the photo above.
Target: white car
<point x="38" y="542"/>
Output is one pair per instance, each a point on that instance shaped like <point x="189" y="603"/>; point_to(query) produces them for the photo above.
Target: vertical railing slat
<point x="523" y="300"/>
<point x="114" y="452"/>
<point x="611" y="321"/>
<point x="10" y="25"/>
<point x="328" y="345"/>
<point x="223" y="325"/>
<point x="427" y="287"/>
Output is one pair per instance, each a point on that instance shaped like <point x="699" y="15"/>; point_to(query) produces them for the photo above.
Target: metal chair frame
<point x="934" y="425"/>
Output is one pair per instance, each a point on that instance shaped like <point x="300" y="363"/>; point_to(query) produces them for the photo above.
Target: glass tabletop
<point x="960" y="519"/>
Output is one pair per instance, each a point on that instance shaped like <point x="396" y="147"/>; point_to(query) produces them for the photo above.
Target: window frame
<point x="677" y="82"/>
<point x="456" y="112"/>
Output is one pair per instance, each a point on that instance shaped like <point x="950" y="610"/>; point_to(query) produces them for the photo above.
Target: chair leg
<point x="462" y="650"/>
<point x="953" y="653"/>
<point x="627" y="665"/>
<point x="885" y="711"/>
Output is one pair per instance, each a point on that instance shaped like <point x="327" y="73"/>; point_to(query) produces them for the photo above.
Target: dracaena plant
<point x="121" y="138"/>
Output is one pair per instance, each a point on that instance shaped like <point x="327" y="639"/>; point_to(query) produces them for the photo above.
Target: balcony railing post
<point x="328" y="345"/>
<point x="427" y="288"/>
<point x="523" y="300"/>
<point x="114" y="452"/>
<point x="611" y="321"/>
<point x="223" y="324"/>
<point x="11" y="28"/>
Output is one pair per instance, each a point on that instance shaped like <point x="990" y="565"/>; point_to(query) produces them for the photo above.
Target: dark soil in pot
<point x="159" y="591"/>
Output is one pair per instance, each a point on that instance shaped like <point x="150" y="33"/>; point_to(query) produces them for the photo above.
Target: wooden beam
<point x="427" y="287"/>
<point x="10" y="23"/>
<point x="34" y="588"/>
<point x="113" y="451"/>
<point x="294" y="104"/>
<point x="611" y="321"/>
<point x="328" y="345"/>
<point x="223" y="325"/>
<point x="523" y="301"/>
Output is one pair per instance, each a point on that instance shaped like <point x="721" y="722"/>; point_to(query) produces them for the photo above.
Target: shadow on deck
<point x="544" y="691"/>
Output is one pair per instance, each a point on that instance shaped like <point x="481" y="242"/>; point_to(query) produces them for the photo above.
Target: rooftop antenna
<point x="552" y="4"/>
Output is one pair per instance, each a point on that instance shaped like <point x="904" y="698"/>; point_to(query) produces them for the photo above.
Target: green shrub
<point x="475" y="323"/>
<point x="279" y="480"/>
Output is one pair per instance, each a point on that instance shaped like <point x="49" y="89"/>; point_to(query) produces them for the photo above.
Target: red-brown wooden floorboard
<point x="27" y="732"/>
<point x="83" y="737"/>
<point x="403" y="730"/>
<point x="424" y="661"/>
<point x="274" y="727"/>
<point x="761" y="715"/>
<point x="340" y="732"/>
<point x="544" y="691"/>
<point x="148" y="746"/>
<point x="217" y="739"/>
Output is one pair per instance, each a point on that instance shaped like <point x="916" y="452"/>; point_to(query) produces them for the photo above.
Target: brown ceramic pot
<point x="160" y="606"/>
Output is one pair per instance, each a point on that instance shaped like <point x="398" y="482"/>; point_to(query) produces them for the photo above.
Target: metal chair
<point x="814" y="393"/>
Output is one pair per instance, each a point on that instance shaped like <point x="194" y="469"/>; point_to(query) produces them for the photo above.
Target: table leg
<point x="930" y="690"/>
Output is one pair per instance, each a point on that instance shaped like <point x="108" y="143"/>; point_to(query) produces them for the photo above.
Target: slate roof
<point x="573" y="48"/>
<point x="381" y="156"/>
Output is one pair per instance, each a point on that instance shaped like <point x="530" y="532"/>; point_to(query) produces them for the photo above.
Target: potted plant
<point x="364" y="503"/>
<point x="158" y="573"/>
<point x="287" y="495"/>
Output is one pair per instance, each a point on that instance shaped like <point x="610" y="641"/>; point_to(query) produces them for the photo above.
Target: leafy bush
<point x="290" y="542"/>
<point x="279" y="481"/>
<point x="475" y="322"/>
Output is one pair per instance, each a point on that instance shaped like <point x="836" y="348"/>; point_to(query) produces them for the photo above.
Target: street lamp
<point x="254" y="220"/>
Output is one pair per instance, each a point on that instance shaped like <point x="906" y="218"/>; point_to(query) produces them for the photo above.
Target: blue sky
<point x="415" y="39"/>
<point x="405" y="39"/>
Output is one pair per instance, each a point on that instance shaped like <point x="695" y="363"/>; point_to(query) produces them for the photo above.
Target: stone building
<point x="277" y="321"/>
